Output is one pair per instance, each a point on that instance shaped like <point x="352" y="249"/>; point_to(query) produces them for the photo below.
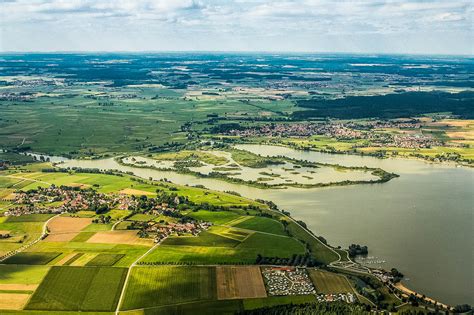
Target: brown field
<point x="78" y="185"/>
<point x="119" y="237"/>
<point x="239" y="283"/>
<point x="455" y="122"/>
<point x="19" y="287"/>
<point x="7" y="194"/>
<point x="467" y="135"/>
<point x="130" y="191"/>
<point x="13" y="301"/>
<point x="64" y="229"/>
<point x="4" y="232"/>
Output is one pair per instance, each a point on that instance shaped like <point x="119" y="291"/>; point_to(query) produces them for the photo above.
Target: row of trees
<point x="295" y="260"/>
<point x="324" y="308"/>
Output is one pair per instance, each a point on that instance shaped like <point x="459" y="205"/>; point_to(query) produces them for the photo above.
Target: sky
<point x="357" y="26"/>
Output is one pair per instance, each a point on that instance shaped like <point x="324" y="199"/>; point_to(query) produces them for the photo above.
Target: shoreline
<point x="359" y="154"/>
<point x="406" y="291"/>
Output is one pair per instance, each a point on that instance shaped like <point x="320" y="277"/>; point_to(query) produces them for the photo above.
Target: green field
<point x="155" y="286"/>
<point x="329" y="283"/>
<point x="246" y="158"/>
<point x="79" y="289"/>
<point x="205" y="238"/>
<point x="131" y="252"/>
<point x="216" y="217"/>
<point x="29" y="258"/>
<point x="83" y="236"/>
<point x="30" y="218"/>
<point x="142" y="217"/>
<point x="262" y="224"/>
<point x="96" y="227"/>
<point x="105" y="260"/>
<point x="21" y="233"/>
<point x="22" y="274"/>
<point x="245" y="252"/>
<point x="185" y="155"/>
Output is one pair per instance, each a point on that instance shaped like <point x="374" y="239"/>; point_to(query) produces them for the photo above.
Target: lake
<point x="420" y="223"/>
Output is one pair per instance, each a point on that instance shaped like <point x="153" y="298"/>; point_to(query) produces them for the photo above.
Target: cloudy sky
<point x="377" y="26"/>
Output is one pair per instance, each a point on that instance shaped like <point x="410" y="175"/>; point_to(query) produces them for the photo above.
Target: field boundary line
<point x="253" y="231"/>
<point x="238" y="220"/>
<point x="120" y="301"/>
<point x="28" y="179"/>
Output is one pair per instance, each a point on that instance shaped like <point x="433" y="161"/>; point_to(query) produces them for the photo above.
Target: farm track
<point x="124" y="287"/>
<point x="19" y="250"/>
<point x="251" y="231"/>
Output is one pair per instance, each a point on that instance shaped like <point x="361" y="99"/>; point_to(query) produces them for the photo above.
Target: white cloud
<point x="22" y="22"/>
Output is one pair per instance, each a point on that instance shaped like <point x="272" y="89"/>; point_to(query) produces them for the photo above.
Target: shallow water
<point x="420" y="223"/>
<point x="287" y="173"/>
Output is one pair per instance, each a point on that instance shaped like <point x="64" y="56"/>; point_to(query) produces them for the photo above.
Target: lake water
<point x="420" y="223"/>
<point x="287" y="173"/>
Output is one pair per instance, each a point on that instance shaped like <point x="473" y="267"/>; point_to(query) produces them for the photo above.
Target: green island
<point x="240" y="162"/>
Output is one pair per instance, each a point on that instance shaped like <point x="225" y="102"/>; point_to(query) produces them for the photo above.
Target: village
<point x="347" y="132"/>
<point x="66" y="199"/>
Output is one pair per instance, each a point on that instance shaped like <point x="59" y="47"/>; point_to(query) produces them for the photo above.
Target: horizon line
<point x="230" y="52"/>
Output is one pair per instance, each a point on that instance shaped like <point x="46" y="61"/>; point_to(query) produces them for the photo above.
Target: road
<point x="119" y="304"/>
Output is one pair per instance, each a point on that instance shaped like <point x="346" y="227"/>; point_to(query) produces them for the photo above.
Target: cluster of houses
<point x="10" y="96"/>
<point x="287" y="281"/>
<point x="161" y="230"/>
<point x="339" y="130"/>
<point x="58" y="199"/>
<point x="383" y="275"/>
<point x="344" y="297"/>
<point x="346" y="131"/>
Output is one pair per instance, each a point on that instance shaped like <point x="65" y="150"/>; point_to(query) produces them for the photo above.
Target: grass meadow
<point x="329" y="283"/>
